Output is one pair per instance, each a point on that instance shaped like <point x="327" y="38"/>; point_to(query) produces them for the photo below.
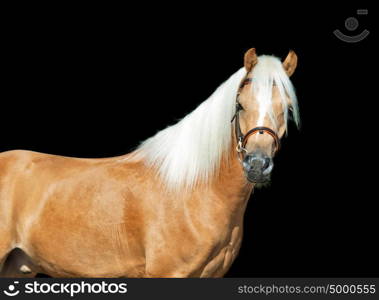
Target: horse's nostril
<point x="266" y="163"/>
<point x="257" y="164"/>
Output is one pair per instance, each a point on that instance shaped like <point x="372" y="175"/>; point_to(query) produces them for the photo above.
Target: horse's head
<point x="264" y="98"/>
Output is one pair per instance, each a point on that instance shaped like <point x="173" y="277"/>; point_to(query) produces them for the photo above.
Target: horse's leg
<point x="5" y="247"/>
<point x="13" y="261"/>
<point x="18" y="264"/>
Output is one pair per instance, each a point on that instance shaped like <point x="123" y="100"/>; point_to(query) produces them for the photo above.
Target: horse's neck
<point x="231" y="184"/>
<point x="225" y="194"/>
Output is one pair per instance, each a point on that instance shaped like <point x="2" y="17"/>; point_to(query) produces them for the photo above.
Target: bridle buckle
<point x="240" y="148"/>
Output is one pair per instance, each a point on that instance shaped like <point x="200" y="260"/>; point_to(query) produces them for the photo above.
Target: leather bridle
<point x="243" y="138"/>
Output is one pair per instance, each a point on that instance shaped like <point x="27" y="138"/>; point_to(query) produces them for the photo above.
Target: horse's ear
<point x="250" y="60"/>
<point x="290" y="63"/>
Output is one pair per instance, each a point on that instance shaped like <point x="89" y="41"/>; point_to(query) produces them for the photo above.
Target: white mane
<point x="190" y="151"/>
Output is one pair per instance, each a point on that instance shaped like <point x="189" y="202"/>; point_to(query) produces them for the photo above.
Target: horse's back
<point x="24" y="176"/>
<point x="70" y="211"/>
<point x="10" y="163"/>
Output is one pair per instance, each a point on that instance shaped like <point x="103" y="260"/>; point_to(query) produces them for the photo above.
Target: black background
<point x="95" y="82"/>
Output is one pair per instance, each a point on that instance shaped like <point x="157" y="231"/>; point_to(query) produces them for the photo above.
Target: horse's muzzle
<point x="257" y="167"/>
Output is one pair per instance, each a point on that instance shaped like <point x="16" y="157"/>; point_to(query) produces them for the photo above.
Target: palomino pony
<point x="172" y="208"/>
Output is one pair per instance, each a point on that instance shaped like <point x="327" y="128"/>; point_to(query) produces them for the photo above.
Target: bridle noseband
<point x="243" y="138"/>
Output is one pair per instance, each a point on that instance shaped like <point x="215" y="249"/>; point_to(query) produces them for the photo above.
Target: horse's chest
<point x="221" y="260"/>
